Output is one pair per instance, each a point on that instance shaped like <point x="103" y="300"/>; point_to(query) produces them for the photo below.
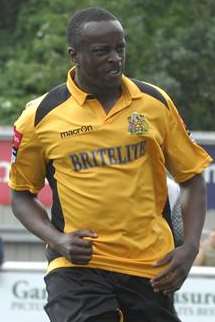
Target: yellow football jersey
<point x="107" y="171"/>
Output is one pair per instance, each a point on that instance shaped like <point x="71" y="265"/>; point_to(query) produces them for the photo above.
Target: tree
<point x="170" y="43"/>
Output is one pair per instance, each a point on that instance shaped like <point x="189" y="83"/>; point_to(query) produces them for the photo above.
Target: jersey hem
<point x="145" y="273"/>
<point x="23" y="188"/>
<point x="199" y="170"/>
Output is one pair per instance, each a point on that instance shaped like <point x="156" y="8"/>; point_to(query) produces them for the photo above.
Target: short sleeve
<point x="184" y="157"/>
<point x="28" y="164"/>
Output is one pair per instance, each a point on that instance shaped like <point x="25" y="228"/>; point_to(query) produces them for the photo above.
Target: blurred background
<point x="171" y="44"/>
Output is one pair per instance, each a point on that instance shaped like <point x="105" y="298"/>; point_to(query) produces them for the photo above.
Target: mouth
<point x="115" y="71"/>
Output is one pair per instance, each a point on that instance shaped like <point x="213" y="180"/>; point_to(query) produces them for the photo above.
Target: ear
<point x="73" y="54"/>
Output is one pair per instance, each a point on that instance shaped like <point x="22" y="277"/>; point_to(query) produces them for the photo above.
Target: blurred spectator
<point x="206" y="255"/>
<point x="175" y="221"/>
<point x="1" y="251"/>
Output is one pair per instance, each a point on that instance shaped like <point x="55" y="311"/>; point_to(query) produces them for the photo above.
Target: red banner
<point x="5" y="156"/>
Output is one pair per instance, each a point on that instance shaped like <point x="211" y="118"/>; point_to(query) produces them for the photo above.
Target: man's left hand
<point x="179" y="263"/>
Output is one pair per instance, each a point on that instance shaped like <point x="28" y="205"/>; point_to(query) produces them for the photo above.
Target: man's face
<point x="101" y="54"/>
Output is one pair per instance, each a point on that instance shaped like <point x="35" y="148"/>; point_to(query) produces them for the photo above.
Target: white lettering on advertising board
<point x="195" y="302"/>
<point x="23" y="297"/>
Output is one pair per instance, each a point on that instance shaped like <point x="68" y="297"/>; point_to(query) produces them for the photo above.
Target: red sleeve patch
<point x="17" y="139"/>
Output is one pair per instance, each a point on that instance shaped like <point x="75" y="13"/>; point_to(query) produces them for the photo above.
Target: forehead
<point x="102" y="31"/>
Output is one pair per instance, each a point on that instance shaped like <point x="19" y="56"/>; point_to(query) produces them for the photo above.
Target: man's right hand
<point x="77" y="246"/>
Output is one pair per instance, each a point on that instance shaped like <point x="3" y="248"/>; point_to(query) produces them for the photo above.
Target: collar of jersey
<point x="81" y="96"/>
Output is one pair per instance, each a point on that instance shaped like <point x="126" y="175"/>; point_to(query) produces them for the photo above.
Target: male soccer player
<point x="104" y="142"/>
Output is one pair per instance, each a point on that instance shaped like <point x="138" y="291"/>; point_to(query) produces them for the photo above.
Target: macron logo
<point x="80" y="130"/>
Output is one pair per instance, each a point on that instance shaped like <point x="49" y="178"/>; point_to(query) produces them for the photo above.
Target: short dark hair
<point x="80" y="17"/>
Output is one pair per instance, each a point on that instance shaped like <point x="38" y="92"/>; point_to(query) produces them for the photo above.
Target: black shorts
<point x="94" y="295"/>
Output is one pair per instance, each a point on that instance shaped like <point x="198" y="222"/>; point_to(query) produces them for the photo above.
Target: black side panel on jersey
<point x="55" y="97"/>
<point x="57" y="217"/>
<point x="167" y="216"/>
<point x="150" y="90"/>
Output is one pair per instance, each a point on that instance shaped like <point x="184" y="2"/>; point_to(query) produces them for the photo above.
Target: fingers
<point x="79" y="238"/>
<point x="84" y="233"/>
<point x="170" y="280"/>
<point x="82" y="243"/>
<point x="164" y="261"/>
<point x="79" y="247"/>
<point x="160" y="282"/>
<point x="164" y="283"/>
<point x="81" y="260"/>
<point x="80" y="255"/>
<point x="170" y="285"/>
<point x="164" y="275"/>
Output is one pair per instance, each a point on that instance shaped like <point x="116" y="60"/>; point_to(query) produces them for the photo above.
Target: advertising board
<point x="195" y="301"/>
<point x="22" y="289"/>
<point x="22" y="293"/>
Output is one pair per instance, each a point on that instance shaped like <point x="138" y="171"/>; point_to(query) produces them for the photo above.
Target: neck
<point x="107" y="96"/>
<point x="97" y="91"/>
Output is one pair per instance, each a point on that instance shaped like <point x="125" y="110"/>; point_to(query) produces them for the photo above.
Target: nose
<point x="114" y="57"/>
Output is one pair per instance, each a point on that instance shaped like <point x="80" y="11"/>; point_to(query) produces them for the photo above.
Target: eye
<point x="100" y="51"/>
<point x="120" y="49"/>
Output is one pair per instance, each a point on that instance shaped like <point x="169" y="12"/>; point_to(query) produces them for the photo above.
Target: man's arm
<point x="193" y="203"/>
<point x="199" y="260"/>
<point x="180" y="260"/>
<point x="30" y="212"/>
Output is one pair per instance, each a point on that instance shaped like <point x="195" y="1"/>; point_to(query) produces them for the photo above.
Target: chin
<point x="113" y="82"/>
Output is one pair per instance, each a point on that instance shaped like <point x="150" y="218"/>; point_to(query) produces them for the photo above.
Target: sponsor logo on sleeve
<point x="17" y="139"/>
